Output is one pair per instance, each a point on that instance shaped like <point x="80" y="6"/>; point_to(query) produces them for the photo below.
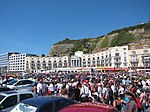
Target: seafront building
<point x="4" y="64"/>
<point x="113" y="58"/>
<point x="36" y="64"/>
<point x="17" y="62"/>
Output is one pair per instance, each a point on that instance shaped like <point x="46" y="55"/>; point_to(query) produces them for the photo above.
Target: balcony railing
<point x="134" y="60"/>
<point x="117" y="57"/>
<point x="119" y="61"/>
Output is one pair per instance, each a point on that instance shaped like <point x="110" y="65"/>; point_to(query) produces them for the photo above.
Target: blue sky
<point x="33" y="26"/>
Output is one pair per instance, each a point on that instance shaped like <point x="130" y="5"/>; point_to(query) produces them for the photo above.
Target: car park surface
<point x="89" y="107"/>
<point x="43" y="104"/>
<point x="9" y="99"/>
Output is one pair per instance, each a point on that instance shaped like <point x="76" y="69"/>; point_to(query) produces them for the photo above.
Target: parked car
<point x="43" y="104"/>
<point x="9" y="99"/>
<point x="7" y="81"/>
<point x="89" y="107"/>
<point x="16" y="84"/>
<point x="2" y="89"/>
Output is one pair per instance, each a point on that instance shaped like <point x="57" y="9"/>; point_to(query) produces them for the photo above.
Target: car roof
<point x="88" y="107"/>
<point x="9" y="93"/>
<point x="39" y="101"/>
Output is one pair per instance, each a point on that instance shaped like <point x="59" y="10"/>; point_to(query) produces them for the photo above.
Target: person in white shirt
<point x="84" y="92"/>
<point x="104" y="92"/>
<point x="51" y="88"/>
<point x="121" y="91"/>
<point x="100" y="90"/>
<point x="39" y="87"/>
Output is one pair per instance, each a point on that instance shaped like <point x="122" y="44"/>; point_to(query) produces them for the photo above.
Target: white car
<point x="16" y="84"/>
<point x="10" y="98"/>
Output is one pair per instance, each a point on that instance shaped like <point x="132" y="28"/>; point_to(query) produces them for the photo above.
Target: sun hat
<point x="130" y="94"/>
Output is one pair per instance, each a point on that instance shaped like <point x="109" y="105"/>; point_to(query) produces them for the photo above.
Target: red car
<point x="89" y="107"/>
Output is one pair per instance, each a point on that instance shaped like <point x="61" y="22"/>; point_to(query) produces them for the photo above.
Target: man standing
<point x="39" y="87"/>
<point x="84" y="92"/>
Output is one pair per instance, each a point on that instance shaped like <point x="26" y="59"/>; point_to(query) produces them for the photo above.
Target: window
<point x="24" y="82"/>
<point x="116" y="54"/>
<point x="145" y="51"/>
<point x="117" y="50"/>
<point x="10" y="101"/>
<point x="97" y="58"/>
<point x="25" y="96"/>
<point x="133" y="52"/>
<point x="145" y="46"/>
<point x="124" y="48"/>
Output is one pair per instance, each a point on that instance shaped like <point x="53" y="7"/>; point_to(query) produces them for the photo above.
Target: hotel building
<point x="17" y="62"/>
<point x="4" y="64"/>
<point x="113" y="58"/>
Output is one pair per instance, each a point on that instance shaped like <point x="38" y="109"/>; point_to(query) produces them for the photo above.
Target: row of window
<point x="22" y="69"/>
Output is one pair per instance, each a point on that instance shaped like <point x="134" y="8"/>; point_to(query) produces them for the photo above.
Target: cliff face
<point x="139" y="35"/>
<point x="60" y="50"/>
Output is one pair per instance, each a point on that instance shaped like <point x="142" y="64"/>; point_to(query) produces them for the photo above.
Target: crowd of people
<point x="119" y="89"/>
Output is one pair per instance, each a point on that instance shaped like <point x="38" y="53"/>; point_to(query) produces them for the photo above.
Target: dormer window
<point x="133" y="47"/>
<point x="145" y="46"/>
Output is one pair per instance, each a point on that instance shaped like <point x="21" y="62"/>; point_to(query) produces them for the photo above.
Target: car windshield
<point x="12" y="82"/>
<point x="1" y="97"/>
<point x="21" y="107"/>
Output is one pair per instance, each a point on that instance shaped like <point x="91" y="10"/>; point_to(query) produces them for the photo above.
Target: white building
<point x="38" y="64"/>
<point x="4" y="64"/>
<point x="17" y="62"/>
<point x="139" y="57"/>
<point x="118" y="57"/>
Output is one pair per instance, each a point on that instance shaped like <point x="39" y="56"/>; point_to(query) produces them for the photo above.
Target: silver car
<point x="20" y="84"/>
<point x="10" y="98"/>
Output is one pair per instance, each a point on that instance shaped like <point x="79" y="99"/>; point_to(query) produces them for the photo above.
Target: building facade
<point x="38" y="64"/>
<point x="4" y="62"/>
<point x="118" y="57"/>
<point x="139" y="57"/>
<point x="17" y="62"/>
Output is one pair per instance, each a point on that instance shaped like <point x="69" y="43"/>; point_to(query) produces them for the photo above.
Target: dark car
<point x="89" y="107"/>
<point x="43" y="104"/>
<point x="2" y="89"/>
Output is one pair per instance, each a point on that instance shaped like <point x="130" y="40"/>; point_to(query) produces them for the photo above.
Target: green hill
<point x="118" y="37"/>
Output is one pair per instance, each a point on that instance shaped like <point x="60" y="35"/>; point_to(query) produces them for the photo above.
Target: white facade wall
<point x="4" y="63"/>
<point x="37" y="64"/>
<point x="119" y="57"/>
<point x="136" y="57"/>
<point x="17" y="62"/>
